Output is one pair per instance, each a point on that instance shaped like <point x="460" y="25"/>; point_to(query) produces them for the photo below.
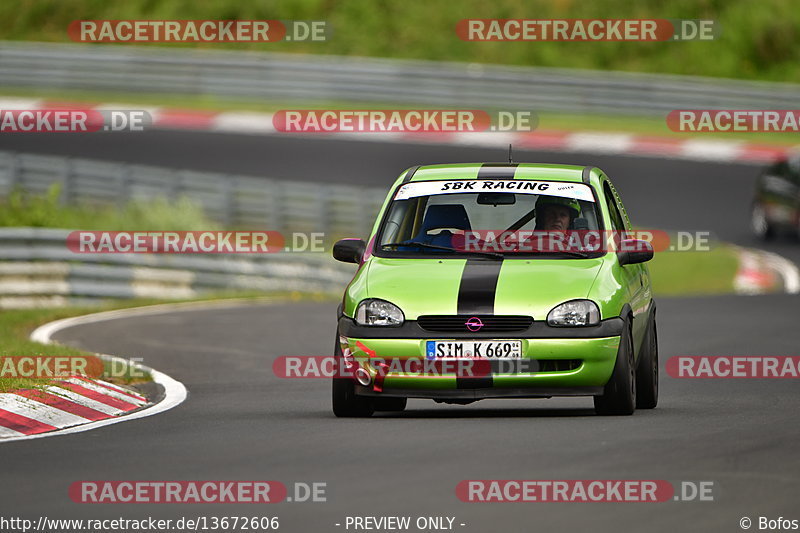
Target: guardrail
<point x="294" y="77"/>
<point x="231" y="200"/>
<point x="37" y="269"/>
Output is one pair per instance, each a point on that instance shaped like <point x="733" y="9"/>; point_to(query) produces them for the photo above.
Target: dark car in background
<point x="776" y="206"/>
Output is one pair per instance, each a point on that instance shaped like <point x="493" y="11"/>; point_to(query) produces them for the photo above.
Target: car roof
<point x="530" y="171"/>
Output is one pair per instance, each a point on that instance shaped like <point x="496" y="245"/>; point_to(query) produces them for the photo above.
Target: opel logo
<point x="474" y="324"/>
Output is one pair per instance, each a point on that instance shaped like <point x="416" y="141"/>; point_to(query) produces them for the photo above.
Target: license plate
<point x="490" y="349"/>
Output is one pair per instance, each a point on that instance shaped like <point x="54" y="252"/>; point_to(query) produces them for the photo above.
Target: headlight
<point x="574" y="313"/>
<point x="374" y="312"/>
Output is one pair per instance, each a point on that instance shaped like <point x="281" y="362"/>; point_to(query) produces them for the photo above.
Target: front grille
<point x="559" y="365"/>
<point x="491" y="323"/>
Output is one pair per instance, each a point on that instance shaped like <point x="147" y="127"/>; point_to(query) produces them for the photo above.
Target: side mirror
<point x="633" y="251"/>
<point x="349" y="250"/>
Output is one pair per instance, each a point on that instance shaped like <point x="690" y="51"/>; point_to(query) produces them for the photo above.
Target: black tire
<point x="619" y="394"/>
<point x="647" y="370"/>
<point x="390" y="404"/>
<point x="760" y="224"/>
<point x="344" y="400"/>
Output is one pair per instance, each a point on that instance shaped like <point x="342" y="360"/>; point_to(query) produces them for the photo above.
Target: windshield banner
<point x="578" y="191"/>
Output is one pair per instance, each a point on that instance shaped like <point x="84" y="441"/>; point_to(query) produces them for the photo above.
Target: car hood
<point x="452" y="286"/>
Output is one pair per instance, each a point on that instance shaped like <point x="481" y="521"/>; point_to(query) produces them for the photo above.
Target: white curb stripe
<point x="20" y="103"/>
<point x="174" y="391"/>
<point x="105" y="392"/>
<point x="599" y="142"/>
<point x="243" y="123"/>
<point x="787" y="270"/>
<point x="19" y="405"/>
<point x="127" y="392"/>
<point x="710" y="150"/>
<point x="152" y="111"/>
<point x="84" y="401"/>
<point x="485" y="138"/>
<point x="6" y="433"/>
<point x="757" y="266"/>
<point x="748" y="276"/>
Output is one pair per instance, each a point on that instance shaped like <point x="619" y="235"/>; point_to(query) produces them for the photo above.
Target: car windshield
<point x="494" y="218"/>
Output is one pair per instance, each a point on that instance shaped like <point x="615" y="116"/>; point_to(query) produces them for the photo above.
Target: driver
<point x="554" y="213"/>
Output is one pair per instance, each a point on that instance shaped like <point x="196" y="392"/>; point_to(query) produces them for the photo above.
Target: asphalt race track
<point x="241" y="422"/>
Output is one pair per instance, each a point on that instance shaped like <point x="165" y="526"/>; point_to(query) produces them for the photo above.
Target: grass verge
<point x="694" y="273"/>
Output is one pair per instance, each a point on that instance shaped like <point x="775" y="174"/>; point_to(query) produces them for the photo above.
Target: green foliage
<point x="759" y="40"/>
<point x="47" y="211"/>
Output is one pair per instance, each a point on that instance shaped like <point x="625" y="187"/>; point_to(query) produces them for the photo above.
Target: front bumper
<point x="560" y="361"/>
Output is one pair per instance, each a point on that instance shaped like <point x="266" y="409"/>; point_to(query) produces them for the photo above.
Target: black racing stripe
<point x="482" y="376"/>
<point x="497" y="170"/>
<point x="476" y="296"/>
<point x="410" y="173"/>
<point x="478" y="286"/>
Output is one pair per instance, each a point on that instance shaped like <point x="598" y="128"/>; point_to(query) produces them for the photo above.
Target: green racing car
<point x="497" y="280"/>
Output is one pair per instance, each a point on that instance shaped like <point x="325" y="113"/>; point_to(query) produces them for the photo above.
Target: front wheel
<point x="619" y="394"/>
<point x="647" y="371"/>
<point x="344" y="400"/>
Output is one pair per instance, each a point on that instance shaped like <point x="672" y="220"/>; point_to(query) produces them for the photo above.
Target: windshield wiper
<point x="437" y="247"/>
<point x="571" y="253"/>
